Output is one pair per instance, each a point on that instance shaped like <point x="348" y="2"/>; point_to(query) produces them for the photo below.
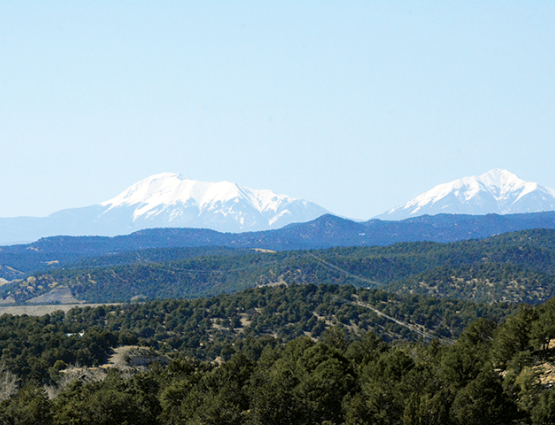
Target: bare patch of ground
<point x="280" y="281"/>
<point x="546" y="374"/>
<point x="60" y="294"/>
<point x="245" y="320"/>
<point x="8" y="300"/>
<point x="133" y="356"/>
<point x="129" y="360"/>
<point x="41" y="310"/>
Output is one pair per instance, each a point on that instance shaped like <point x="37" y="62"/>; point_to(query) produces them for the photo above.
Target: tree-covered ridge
<point x="490" y="282"/>
<point x="210" y="328"/>
<point x="17" y="265"/>
<point x="517" y="267"/>
<point x="17" y="261"/>
<point x="495" y="373"/>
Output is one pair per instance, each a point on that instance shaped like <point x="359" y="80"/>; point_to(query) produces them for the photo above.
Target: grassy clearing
<point x="41" y="310"/>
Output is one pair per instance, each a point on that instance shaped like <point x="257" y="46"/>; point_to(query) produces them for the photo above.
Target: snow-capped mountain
<point x="497" y="191"/>
<point x="168" y="200"/>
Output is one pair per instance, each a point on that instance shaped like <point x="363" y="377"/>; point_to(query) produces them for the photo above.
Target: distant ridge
<point x="324" y="232"/>
<point x="495" y="192"/>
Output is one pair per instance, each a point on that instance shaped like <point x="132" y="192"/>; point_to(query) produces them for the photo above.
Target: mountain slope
<point x="17" y="261"/>
<point x="167" y="200"/>
<point x="495" y="192"/>
<point x="516" y="267"/>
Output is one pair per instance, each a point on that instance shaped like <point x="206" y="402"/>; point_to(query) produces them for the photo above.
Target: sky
<point x="358" y="106"/>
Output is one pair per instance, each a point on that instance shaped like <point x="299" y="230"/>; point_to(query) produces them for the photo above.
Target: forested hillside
<point x="274" y="367"/>
<point x="20" y="264"/>
<point x="17" y="261"/>
<point x="208" y="328"/>
<point x="515" y="267"/>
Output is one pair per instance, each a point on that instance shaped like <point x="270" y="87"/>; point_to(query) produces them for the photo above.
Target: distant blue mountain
<point x="324" y="232"/>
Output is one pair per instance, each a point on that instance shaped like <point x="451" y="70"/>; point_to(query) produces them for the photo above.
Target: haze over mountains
<point x="168" y="200"/>
<point x="495" y="192"/>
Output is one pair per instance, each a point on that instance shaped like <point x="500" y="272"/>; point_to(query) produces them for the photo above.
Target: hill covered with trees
<point x="208" y="328"/>
<point x="515" y="267"/>
<point x="18" y="261"/>
<point x="269" y="371"/>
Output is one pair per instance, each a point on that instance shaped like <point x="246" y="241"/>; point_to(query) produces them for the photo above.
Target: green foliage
<point x="482" y="401"/>
<point x="299" y="354"/>
<point x="37" y="348"/>
<point x="492" y="374"/>
<point x="114" y="401"/>
<point x="31" y="406"/>
<point x="544" y="412"/>
<point x="517" y="267"/>
<point x="208" y="328"/>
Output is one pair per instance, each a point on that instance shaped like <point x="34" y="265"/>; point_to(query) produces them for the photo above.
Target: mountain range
<point x="168" y="200"/>
<point x="517" y="267"/>
<point x="495" y="192"/>
<point x="17" y="261"/>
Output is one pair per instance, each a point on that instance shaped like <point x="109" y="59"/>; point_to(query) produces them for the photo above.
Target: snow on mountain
<point x="167" y="199"/>
<point x="497" y="191"/>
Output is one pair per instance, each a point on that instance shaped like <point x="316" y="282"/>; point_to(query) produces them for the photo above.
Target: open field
<point x="41" y="310"/>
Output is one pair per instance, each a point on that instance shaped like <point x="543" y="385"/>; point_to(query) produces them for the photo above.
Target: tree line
<point x="516" y="267"/>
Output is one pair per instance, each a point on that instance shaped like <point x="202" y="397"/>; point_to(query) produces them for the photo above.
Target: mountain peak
<point x="167" y="198"/>
<point x="498" y="191"/>
<point x="171" y="188"/>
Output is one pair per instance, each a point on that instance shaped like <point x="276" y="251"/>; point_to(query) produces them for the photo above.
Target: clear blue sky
<point x="356" y="105"/>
